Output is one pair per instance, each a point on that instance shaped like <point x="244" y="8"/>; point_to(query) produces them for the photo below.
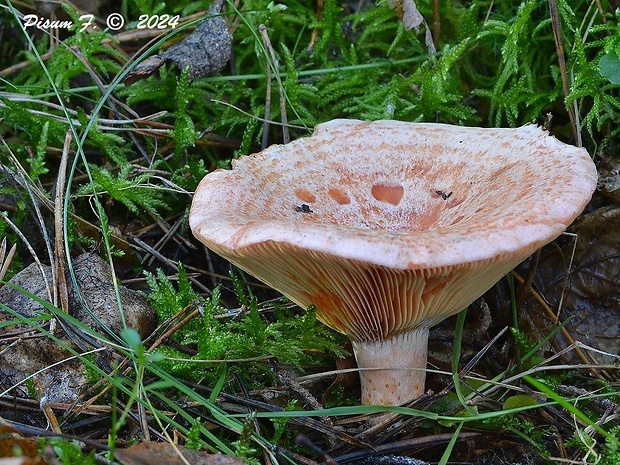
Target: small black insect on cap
<point x="303" y="208"/>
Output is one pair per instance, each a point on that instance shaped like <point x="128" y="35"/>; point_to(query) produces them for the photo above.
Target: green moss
<point x="276" y="332"/>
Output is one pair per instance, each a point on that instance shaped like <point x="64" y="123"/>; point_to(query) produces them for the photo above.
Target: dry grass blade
<point x="46" y="408"/>
<point x="39" y="199"/>
<point x="476" y="358"/>
<point x="559" y="45"/>
<point x="5" y="258"/>
<point x="265" y="141"/>
<point x="256" y="117"/>
<point x="31" y="250"/>
<point x="103" y="124"/>
<point x="405" y="446"/>
<point x="60" y="287"/>
<point x="276" y="67"/>
<point x="170" y="233"/>
<point x="552" y="314"/>
<point x="20" y="179"/>
<point x="175" y="265"/>
<point x="308" y="422"/>
<point x="32" y="405"/>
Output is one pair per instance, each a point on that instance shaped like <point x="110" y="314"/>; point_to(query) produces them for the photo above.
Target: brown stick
<point x="436" y="24"/>
<point x="60" y="286"/>
<point x="265" y="142"/>
<point x="559" y="47"/>
<point x="285" y="135"/>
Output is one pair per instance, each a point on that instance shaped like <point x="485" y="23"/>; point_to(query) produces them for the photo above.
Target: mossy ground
<point x="138" y="150"/>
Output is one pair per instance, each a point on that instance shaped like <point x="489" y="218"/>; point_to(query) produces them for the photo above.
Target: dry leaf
<point x="411" y="17"/>
<point x="205" y="51"/>
<point x="17" y="450"/>
<point x="408" y="13"/>
<point x="149" y="453"/>
<point x="591" y="294"/>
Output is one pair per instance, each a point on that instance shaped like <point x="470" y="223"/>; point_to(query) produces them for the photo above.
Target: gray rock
<point x="95" y="281"/>
<point x="26" y="350"/>
<point x="207" y="50"/>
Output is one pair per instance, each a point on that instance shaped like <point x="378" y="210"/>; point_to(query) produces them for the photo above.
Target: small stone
<point x="207" y="50"/>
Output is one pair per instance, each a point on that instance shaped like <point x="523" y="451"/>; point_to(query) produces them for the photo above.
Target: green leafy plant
<point x="596" y="86"/>
<point x="249" y="336"/>
<point x="132" y="190"/>
<point x="524" y="84"/>
<point x="69" y="452"/>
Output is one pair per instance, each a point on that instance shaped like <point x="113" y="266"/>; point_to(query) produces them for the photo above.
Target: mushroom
<point x="387" y="228"/>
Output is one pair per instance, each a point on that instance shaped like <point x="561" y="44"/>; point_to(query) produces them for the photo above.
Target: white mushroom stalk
<point x="387" y="228"/>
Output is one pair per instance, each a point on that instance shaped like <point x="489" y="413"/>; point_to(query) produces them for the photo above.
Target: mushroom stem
<point x="393" y="370"/>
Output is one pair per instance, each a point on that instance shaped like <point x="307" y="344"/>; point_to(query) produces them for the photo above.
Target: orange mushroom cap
<point x="388" y="226"/>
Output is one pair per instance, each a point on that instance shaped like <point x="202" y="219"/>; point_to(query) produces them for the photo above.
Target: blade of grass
<point x="572" y="408"/>
<point x="448" y="452"/>
<point x="127" y="385"/>
<point x="6" y="258"/>
<point x="456" y="356"/>
<point x="218" y="386"/>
